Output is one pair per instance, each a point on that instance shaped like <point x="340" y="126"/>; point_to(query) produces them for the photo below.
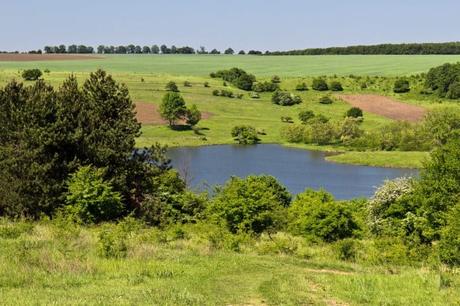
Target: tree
<point x="61" y="49"/>
<point x="214" y="51"/>
<point x="336" y="86"/>
<point x="401" y="86"/>
<point x="255" y="204"/>
<point x="449" y="245"/>
<point x="245" y="135"/>
<point x="241" y="52"/>
<point x="350" y="129"/>
<point x="90" y="198"/>
<point x="326" y="100"/>
<point x="301" y="87"/>
<point x="173" y="49"/>
<point x="276" y="79"/>
<point x="193" y="115"/>
<point x="354" y="112"/>
<point x="72" y="49"/>
<point x="155" y="49"/>
<point x="172" y="107"/>
<point x="306" y="115"/>
<point x="100" y="49"/>
<point x="319" y="85"/>
<point x="229" y="51"/>
<point x="315" y="214"/>
<point x="31" y="74"/>
<point x="284" y="98"/>
<point x="171" y="86"/>
<point x="165" y="50"/>
<point x="146" y="50"/>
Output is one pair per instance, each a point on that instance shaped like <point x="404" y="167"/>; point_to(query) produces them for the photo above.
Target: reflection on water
<point x="297" y="169"/>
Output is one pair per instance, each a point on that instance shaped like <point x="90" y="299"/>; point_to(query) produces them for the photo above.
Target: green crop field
<point x="202" y="65"/>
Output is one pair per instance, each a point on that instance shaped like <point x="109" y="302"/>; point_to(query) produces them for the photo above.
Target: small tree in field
<point x="172" y="107"/>
<point x="401" y="86"/>
<point x="171" y="86"/>
<point x="354" y="112"/>
<point x="306" y="115"/>
<point x="193" y="115"/>
<point x="336" y="86"/>
<point x="245" y="134"/>
<point x="31" y="74"/>
<point x="319" y="85"/>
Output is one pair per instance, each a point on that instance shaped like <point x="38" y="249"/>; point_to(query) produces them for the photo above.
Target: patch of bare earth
<point x="385" y="106"/>
<point x="148" y="113"/>
<point x="18" y="57"/>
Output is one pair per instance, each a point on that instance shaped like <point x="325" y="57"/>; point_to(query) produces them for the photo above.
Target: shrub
<point x="349" y="129"/>
<point x="326" y="100"/>
<point x="255" y="95"/>
<point x="237" y="77"/>
<point x="322" y="133"/>
<point x="319" y="85"/>
<point x="193" y="115"/>
<point x="336" y="86"/>
<point x="171" y="86"/>
<point x="276" y="79"/>
<point x="216" y="92"/>
<point x="172" y="107"/>
<point x="245" y="134"/>
<point x="363" y="85"/>
<point x="347" y="249"/>
<point x="265" y="87"/>
<point x="354" y="112"/>
<point x="286" y="119"/>
<point x="206" y="84"/>
<point x="301" y="87"/>
<point x="31" y="74"/>
<point x="401" y="86"/>
<point x="239" y="96"/>
<point x="440" y="79"/>
<point x="293" y="133"/>
<point x="306" y="115"/>
<point x="454" y="90"/>
<point x="315" y="214"/>
<point x="90" y="198"/>
<point x="449" y="246"/>
<point x="187" y="84"/>
<point x="285" y="99"/>
<point x="255" y="204"/>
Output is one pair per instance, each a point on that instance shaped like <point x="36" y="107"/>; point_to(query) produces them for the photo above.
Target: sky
<point x="240" y="24"/>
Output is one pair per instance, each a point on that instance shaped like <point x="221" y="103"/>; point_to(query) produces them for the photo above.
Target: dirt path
<point x="13" y="57"/>
<point x="148" y="113"/>
<point x="385" y="106"/>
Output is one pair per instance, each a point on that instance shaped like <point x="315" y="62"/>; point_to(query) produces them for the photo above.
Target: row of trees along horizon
<point x="383" y="49"/>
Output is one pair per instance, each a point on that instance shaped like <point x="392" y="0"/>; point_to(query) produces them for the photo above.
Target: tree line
<point x="384" y="49"/>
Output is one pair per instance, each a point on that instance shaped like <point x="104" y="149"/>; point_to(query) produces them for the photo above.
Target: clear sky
<point x="241" y="24"/>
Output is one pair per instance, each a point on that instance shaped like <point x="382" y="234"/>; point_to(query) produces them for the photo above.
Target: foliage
<point x="245" y="134"/>
<point x="284" y="98"/>
<point x="237" y="77"/>
<point x="319" y="85"/>
<point x="171" y="86"/>
<point x="321" y="133"/>
<point x="306" y="115"/>
<point x="90" y="198"/>
<point x="265" y="87"/>
<point x="301" y="87"/>
<point x="255" y="204"/>
<point x="286" y="119"/>
<point x="193" y="115"/>
<point x="354" y="112"/>
<point x="315" y="214"/>
<point x="401" y="86"/>
<point x="449" y="245"/>
<point x="442" y="124"/>
<point x="350" y="129"/>
<point x="326" y="100"/>
<point x="187" y="84"/>
<point x="336" y="86"/>
<point x="293" y="133"/>
<point x="31" y="74"/>
<point x="444" y="80"/>
<point x="276" y="79"/>
<point x="172" y="107"/>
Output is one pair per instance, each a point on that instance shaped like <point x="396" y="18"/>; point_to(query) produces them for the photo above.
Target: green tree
<point x="255" y="204"/>
<point x="354" y="112"/>
<point x="245" y="134"/>
<point x="301" y="87"/>
<point x="229" y="51"/>
<point x="449" y="246"/>
<point x="193" y="115"/>
<point x="31" y="74"/>
<point x="172" y="107"/>
<point x="306" y="115"/>
<point x="319" y="85"/>
<point x="171" y="86"/>
<point x="336" y="86"/>
<point x="401" y="86"/>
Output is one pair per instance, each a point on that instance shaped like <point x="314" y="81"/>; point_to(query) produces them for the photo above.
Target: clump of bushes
<point x="326" y="100"/>
<point x="319" y="85"/>
<point x="265" y="87"/>
<point x="276" y="79"/>
<point x="254" y="95"/>
<point x="286" y="119"/>
<point x="31" y="74"/>
<point x="354" y="112"/>
<point x="206" y="84"/>
<point x="284" y="98"/>
<point x="187" y="84"/>
<point x="226" y="93"/>
<point x="401" y="86"/>
<point x="444" y="80"/>
<point x="301" y="87"/>
<point x="336" y="86"/>
<point x="172" y="86"/>
<point x="305" y="116"/>
<point x="245" y="134"/>
<point x="238" y="77"/>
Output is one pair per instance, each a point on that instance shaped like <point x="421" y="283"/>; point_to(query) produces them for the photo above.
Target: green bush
<point x="255" y="95"/>
<point x="31" y="74"/>
<point x="286" y="119"/>
<point x="245" y="134"/>
<point x="354" y="112"/>
<point x="206" y="84"/>
<point x="90" y="198"/>
<point x="306" y="115"/>
<point x="276" y="79"/>
<point x="301" y="87"/>
<point x="322" y="133"/>
<point x="265" y="87"/>
<point x="216" y="92"/>
<point x="254" y="204"/>
<point x="454" y="90"/>
<point x="187" y="84"/>
<point x="171" y="86"/>
<point x="347" y="249"/>
<point x="336" y="86"/>
<point x="319" y="85"/>
<point x="401" y="86"/>
<point x="113" y="239"/>
<point x="192" y="115"/>
<point x="172" y="107"/>
<point x="449" y="246"/>
<point x="237" y="77"/>
<point x="350" y="129"/>
<point x="326" y="100"/>
<point x="293" y="133"/>
<point x="285" y="98"/>
<point x="315" y="215"/>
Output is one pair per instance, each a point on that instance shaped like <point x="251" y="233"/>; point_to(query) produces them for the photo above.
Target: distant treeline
<point x="387" y="49"/>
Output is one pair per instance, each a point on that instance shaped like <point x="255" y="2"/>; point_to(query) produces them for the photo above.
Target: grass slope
<point x="392" y="159"/>
<point x="202" y="65"/>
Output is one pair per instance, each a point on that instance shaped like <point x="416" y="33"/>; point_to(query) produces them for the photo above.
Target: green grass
<point x="202" y="65"/>
<point x="51" y="263"/>
<point x="394" y="159"/>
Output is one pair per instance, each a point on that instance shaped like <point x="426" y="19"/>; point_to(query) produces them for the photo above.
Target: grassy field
<point x="63" y="264"/>
<point x="202" y="65"/>
<point x="146" y="77"/>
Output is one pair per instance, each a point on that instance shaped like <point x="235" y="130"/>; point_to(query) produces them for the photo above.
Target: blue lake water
<point x="204" y="167"/>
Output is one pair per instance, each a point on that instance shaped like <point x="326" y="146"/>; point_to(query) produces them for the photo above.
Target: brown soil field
<point x="18" y="57"/>
<point x="385" y="106"/>
<point x="147" y="113"/>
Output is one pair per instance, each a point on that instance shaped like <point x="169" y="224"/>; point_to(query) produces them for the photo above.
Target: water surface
<point x="297" y="169"/>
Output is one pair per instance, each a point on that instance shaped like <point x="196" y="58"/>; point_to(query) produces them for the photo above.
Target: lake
<point x="298" y="169"/>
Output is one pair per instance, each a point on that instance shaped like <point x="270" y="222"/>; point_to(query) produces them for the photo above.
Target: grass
<point x="392" y="159"/>
<point x="292" y="66"/>
<point x="53" y="263"/>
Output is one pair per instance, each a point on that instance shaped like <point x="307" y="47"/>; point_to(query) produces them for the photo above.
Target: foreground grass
<point x="52" y="263"/>
<point x="394" y="159"/>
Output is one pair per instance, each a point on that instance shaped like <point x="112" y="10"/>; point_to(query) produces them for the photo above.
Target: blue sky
<point x="241" y="24"/>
